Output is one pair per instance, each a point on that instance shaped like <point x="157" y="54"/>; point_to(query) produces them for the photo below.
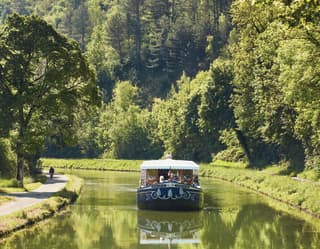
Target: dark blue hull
<point x="170" y="197"/>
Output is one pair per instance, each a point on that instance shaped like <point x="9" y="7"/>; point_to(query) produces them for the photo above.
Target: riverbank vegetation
<point x="45" y="209"/>
<point x="203" y="80"/>
<point x="92" y="164"/>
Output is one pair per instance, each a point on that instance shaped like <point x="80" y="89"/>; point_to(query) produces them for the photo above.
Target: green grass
<point x="93" y="164"/>
<point x="29" y="184"/>
<point x="297" y="194"/>
<point x="312" y="175"/>
<point x="219" y="163"/>
<point x="9" y="186"/>
<point x="45" y="209"/>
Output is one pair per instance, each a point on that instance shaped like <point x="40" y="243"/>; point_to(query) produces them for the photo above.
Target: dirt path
<point x="27" y="199"/>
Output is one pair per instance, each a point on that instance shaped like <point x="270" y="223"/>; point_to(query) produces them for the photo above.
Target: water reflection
<point x="169" y="228"/>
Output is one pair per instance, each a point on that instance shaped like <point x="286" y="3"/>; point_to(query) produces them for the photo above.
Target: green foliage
<point x="128" y="135"/>
<point x="120" y="129"/>
<point x="9" y="183"/>
<point x="275" y="76"/>
<point x="313" y="175"/>
<point x="152" y="39"/>
<point x="7" y="159"/>
<point x="105" y="59"/>
<point x="262" y="84"/>
<point x="234" y="151"/>
<point x="215" y="111"/>
<point x="178" y="122"/>
<point x="46" y="81"/>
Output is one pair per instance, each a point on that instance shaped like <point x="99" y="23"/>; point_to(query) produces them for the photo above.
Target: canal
<point x="105" y="216"/>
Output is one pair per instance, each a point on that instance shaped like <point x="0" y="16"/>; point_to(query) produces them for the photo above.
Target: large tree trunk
<point x="20" y="164"/>
<point x="19" y="147"/>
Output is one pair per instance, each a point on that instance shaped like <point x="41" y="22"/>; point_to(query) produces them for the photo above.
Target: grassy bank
<point x="301" y="195"/>
<point x="93" y="164"/>
<point x="45" y="209"/>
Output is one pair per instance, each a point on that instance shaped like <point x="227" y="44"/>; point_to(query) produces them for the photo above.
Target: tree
<point x="178" y="121"/>
<point x="127" y="126"/>
<point x="215" y="111"/>
<point x="105" y="59"/>
<point x="44" y="81"/>
<point x="276" y="76"/>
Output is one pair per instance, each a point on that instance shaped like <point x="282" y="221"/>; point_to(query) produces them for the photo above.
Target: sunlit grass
<point x="220" y="163"/>
<point x="29" y="184"/>
<point x="93" y="164"/>
<point x="298" y="194"/>
<point x="9" y="186"/>
<point x="312" y="175"/>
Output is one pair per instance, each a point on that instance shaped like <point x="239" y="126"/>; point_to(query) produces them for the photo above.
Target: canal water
<point x="106" y="216"/>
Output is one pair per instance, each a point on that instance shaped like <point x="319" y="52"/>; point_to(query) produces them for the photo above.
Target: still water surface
<point x="105" y="216"/>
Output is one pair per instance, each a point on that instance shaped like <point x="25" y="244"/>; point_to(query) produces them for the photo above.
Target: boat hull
<point x="170" y="197"/>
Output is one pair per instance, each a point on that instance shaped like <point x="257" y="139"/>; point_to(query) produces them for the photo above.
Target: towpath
<point x="27" y="199"/>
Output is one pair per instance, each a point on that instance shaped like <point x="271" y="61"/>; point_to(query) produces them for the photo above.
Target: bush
<point x="7" y="159"/>
<point x="313" y="163"/>
<point x="10" y="183"/>
<point x="234" y="151"/>
<point x="312" y="175"/>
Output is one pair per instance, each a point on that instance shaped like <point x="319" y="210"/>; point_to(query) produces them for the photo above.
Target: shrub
<point x="7" y="159"/>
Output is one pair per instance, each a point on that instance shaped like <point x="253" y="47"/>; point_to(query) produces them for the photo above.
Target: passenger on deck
<point x="171" y="176"/>
<point x="161" y="180"/>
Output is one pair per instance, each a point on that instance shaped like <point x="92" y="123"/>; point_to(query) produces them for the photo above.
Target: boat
<point x="169" y="185"/>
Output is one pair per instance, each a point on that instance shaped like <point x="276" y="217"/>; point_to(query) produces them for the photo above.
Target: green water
<point x="106" y="217"/>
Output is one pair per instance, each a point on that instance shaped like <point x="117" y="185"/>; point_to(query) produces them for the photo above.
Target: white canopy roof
<point x="169" y="164"/>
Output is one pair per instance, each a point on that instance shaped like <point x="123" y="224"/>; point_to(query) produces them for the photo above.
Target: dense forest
<point x="202" y="80"/>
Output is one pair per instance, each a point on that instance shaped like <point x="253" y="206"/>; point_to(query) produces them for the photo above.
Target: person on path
<point x="51" y="172"/>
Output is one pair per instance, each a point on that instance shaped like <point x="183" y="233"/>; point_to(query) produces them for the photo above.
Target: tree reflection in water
<point x="253" y="226"/>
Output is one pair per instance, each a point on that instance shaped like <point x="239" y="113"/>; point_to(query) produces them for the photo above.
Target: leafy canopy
<point x="44" y="81"/>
